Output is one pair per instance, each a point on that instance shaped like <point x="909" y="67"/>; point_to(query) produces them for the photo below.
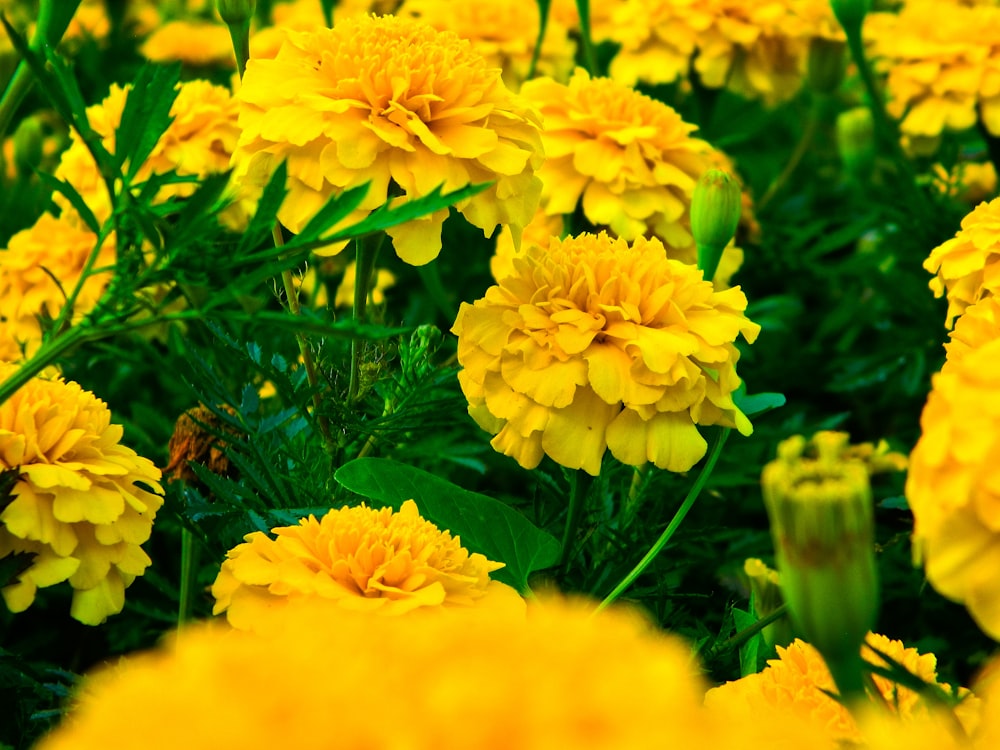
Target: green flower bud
<point x="826" y="64"/>
<point x="715" y="214"/>
<point x="856" y="141"/>
<point x="765" y="586"/>
<point x="822" y="524"/>
<point x="29" y="140"/>
<point x="236" y="12"/>
<point x="851" y="13"/>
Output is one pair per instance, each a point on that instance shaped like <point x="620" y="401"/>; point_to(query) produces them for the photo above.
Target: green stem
<point x="48" y="353"/>
<point x="589" y="58"/>
<point x="675" y="522"/>
<point x="849" y="676"/>
<point x="431" y="276"/>
<point x="240" y="35"/>
<point x="366" y="251"/>
<point x="801" y="149"/>
<point x="738" y="639"/>
<point x="544" y="7"/>
<point x="577" y="502"/>
<point x="188" y="557"/>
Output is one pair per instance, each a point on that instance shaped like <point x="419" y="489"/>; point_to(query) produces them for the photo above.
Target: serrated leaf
<point x="750" y="650"/>
<point x="146" y="115"/>
<point x="75" y="199"/>
<point x="485" y="525"/>
<point x="265" y="216"/>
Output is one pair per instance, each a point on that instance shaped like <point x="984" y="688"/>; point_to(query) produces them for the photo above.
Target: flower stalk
<point x="366" y="252"/>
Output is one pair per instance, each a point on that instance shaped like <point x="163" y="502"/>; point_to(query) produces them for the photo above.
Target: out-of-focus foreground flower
<point x="593" y="344"/>
<point x="360" y="559"/>
<point x="76" y="505"/>
<point x="953" y="486"/>
<point x="398" y="104"/>
<point x="967" y="267"/>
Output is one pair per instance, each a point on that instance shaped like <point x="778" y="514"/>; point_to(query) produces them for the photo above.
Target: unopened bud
<point x="822" y="523"/>
<point x="851" y="14"/>
<point x="765" y="586"/>
<point x="29" y="140"/>
<point x="236" y="12"/>
<point x="856" y="141"/>
<point x="715" y="214"/>
<point x="826" y="65"/>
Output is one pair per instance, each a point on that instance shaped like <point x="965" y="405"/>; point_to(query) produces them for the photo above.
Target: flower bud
<point x="826" y="64"/>
<point x="28" y="146"/>
<point x="822" y="524"/>
<point x="715" y="214"/>
<point x="851" y="13"/>
<point x="236" y="12"/>
<point x="856" y="141"/>
<point x="767" y="599"/>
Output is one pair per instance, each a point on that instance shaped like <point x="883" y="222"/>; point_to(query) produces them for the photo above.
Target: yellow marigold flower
<point x="361" y="559"/>
<point x="593" y="344"/>
<point x="797" y="683"/>
<point x="76" y="505"/>
<point x="953" y="485"/>
<point x="559" y="678"/>
<point x="392" y="102"/>
<point x="35" y="257"/>
<point x="943" y="62"/>
<point x="502" y="31"/>
<point x="197" y="43"/>
<point x="538" y="232"/>
<point x="199" y="142"/>
<point x="758" y="50"/>
<point x="977" y="326"/>
<point x="967" y="267"/>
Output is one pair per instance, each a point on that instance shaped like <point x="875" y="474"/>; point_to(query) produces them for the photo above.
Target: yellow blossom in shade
<point x="797" y="684"/>
<point x="595" y="344"/>
<point x="361" y="559"/>
<point x="967" y="266"/>
<point x="969" y="182"/>
<point x="196" y="43"/>
<point x="977" y="326"/>
<point x="757" y="50"/>
<point x="942" y="58"/>
<point x="504" y="32"/>
<point x="76" y="505"/>
<point x="198" y="143"/>
<point x="53" y="248"/>
<point x="381" y="280"/>
<point x="953" y="485"/>
<point x="560" y="678"/>
<point x="394" y="103"/>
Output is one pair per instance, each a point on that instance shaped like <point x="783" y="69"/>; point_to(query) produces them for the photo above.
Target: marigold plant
<point x="361" y="559"/>
<point x="397" y="104"/>
<point x="953" y="486"/>
<point x="595" y="344"/>
<point x="82" y="503"/>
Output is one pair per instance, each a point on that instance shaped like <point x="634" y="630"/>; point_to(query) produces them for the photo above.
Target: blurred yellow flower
<point x="504" y="32"/>
<point x="953" y="486"/>
<point x="593" y="344"/>
<point x="198" y="43"/>
<point x="969" y="182"/>
<point x="758" y="50"/>
<point x="76" y="505"/>
<point x="560" y="678"/>
<point x="798" y="682"/>
<point x="942" y="58"/>
<point x="52" y="249"/>
<point x="967" y="267"/>
<point x="198" y="143"/>
<point x="360" y="559"/>
<point x="400" y="105"/>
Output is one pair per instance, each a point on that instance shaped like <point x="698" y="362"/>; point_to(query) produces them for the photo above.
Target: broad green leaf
<point x="485" y="525"/>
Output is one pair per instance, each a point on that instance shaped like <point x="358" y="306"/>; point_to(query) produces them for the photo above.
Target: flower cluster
<point x="942" y="58"/>
<point x="592" y="344"/>
<point x="799" y="683"/>
<point x="78" y="506"/>
<point x="629" y="161"/>
<point x="504" y="32"/>
<point x="967" y="267"/>
<point x="360" y="559"/>
<point x="559" y="678"/>
<point x="759" y="50"/>
<point x="397" y="104"/>
<point x="953" y="486"/>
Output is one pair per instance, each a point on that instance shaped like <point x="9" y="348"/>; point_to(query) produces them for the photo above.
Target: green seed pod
<point x="715" y="214"/>
<point x="28" y="146"/>
<point x="856" y="141"/>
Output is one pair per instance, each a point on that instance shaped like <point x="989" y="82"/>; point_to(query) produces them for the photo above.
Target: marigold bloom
<point x="593" y="344"/>
<point x="361" y="559"/>
<point x="953" y="486"/>
<point x="198" y="143"/>
<point x="35" y="257"/>
<point x="559" y="678"/>
<point x="967" y="267"/>
<point x="976" y="327"/>
<point x="504" y="32"/>
<point x="943" y="63"/>
<point x="76" y="505"/>
<point x="794" y="684"/>
<point x="398" y="104"/>
<point x="758" y="50"/>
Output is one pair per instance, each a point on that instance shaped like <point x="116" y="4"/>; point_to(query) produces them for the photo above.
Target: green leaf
<point x="146" y="115"/>
<point x="267" y="212"/>
<point x="758" y="403"/>
<point x="75" y="199"/>
<point x="750" y="650"/>
<point x="485" y="525"/>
